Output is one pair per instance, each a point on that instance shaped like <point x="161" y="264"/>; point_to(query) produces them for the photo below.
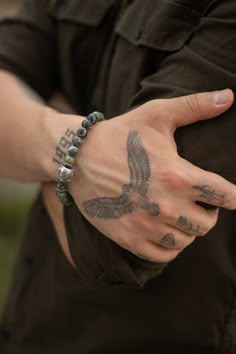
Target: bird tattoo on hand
<point x="134" y="194"/>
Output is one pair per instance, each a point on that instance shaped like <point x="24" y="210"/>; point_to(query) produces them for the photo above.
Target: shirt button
<point x="139" y="32"/>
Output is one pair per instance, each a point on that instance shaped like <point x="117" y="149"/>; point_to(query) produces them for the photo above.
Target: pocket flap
<point x="167" y="29"/>
<point x="87" y="12"/>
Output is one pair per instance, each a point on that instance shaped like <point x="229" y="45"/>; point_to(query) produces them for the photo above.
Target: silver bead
<point x="64" y="174"/>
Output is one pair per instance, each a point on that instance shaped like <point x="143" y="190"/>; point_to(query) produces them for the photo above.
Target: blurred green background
<point x="15" y="200"/>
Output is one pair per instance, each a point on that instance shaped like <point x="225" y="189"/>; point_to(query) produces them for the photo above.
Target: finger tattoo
<point x="187" y="225"/>
<point x="209" y="194"/>
<point x="168" y="241"/>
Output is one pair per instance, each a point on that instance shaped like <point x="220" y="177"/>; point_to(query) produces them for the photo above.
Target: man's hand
<point x="132" y="185"/>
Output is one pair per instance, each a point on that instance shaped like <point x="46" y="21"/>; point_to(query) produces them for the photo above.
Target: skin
<point x="170" y="185"/>
<point x="163" y="235"/>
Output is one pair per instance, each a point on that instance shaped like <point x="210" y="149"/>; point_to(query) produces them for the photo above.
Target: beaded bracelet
<point x="65" y="172"/>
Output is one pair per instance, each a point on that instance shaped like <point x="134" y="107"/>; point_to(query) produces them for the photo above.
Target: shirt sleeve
<point x="206" y="62"/>
<point x="28" y="46"/>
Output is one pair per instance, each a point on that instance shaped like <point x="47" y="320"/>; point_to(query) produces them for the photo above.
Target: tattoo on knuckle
<point x="187" y="226"/>
<point x="168" y="241"/>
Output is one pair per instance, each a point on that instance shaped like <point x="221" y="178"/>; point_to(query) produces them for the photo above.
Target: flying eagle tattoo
<point x="134" y="194"/>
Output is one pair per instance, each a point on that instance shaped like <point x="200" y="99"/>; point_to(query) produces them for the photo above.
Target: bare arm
<point x="29" y="132"/>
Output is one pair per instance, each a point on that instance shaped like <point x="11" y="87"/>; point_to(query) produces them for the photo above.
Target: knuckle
<point x="208" y="226"/>
<point x="193" y="103"/>
<point x="211" y="224"/>
<point x="204" y="230"/>
<point x="174" y="179"/>
<point x="143" y="225"/>
<point x="168" y="211"/>
<point x="127" y="241"/>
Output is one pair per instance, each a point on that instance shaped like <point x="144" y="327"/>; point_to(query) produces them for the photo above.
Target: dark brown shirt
<point x="111" y="56"/>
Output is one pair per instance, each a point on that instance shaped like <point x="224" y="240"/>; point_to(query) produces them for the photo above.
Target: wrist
<point x="60" y="130"/>
<point x="65" y="171"/>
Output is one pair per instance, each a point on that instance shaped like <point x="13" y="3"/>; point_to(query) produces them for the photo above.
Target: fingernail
<point x="222" y="97"/>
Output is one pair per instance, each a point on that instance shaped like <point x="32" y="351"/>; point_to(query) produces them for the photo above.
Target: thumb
<point x="192" y="108"/>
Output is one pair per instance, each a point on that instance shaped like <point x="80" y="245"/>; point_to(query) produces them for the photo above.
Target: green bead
<point x="82" y="132"/>
<point x="77" y="141"/>
<point x="99" y="116"/>
<point x="92" y="118"/>
<point x="61" y="187"/>
<point x="86" y="124"/>
<point x="69" y="160"/>
<point x="72" y="151"/>
<point x="65" y="198"/>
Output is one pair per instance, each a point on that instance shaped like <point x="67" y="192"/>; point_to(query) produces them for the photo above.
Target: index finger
<point x="215" y="190"/>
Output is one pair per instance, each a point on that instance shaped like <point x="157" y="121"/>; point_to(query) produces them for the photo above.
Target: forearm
<point x="29" y="132"/>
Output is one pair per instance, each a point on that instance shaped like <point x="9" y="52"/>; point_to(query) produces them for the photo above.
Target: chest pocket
<point x="89" y="12"/>
<point x="82" y="29"/>
<point x="166" y="26"/>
